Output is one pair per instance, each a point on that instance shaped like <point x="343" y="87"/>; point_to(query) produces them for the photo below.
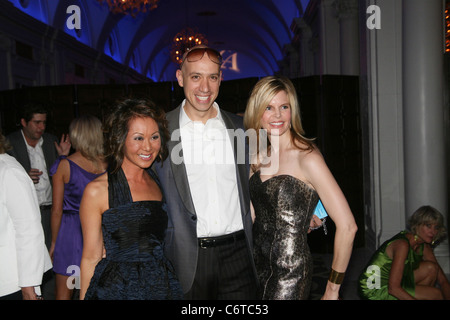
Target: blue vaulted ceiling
<point x="250" y="33"/>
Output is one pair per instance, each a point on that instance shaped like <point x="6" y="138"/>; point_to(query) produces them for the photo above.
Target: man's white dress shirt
<point x="37" y="161"/>
<point x="211" y="170"/>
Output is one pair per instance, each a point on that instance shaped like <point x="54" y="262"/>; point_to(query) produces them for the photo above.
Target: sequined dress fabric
<point x="283" y="207"/>
<point x="135" y="267"/>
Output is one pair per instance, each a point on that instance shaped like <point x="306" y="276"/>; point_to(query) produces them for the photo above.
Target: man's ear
<point x="23" y="122"/>
<point x="179" y="75"/>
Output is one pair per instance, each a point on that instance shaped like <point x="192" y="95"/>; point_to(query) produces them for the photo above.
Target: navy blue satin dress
<point x="135" y="267"/>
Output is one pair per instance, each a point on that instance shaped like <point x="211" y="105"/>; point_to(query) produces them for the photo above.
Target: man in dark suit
<point x="36" y="151"/>
<point x="209" y="239"/>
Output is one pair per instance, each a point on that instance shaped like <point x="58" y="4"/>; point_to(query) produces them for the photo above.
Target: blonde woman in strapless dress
<point x="287" y="179"/>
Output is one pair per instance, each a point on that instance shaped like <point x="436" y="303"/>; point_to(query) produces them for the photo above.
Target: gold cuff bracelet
<point x="336" y="277"/>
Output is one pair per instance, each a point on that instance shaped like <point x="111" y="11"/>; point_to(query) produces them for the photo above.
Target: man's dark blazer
<point x="181" y="238"/>
<point x="19" y="149"/>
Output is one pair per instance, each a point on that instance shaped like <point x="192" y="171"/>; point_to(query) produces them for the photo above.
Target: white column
<point x="307" y="46"/>
<point x="423" y="111"/>
<point x="347" y="12"/>
<point x="329" y="38"/>
<point x="381" y="103"/>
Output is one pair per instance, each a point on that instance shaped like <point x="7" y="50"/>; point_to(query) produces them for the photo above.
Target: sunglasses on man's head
<point x="197" y="54"/>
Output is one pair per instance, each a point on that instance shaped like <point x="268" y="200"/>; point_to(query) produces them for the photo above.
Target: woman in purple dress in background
<point x="70" y="175"/>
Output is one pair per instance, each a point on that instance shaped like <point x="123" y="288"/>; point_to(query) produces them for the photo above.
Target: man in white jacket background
<point x="23" y="255"/>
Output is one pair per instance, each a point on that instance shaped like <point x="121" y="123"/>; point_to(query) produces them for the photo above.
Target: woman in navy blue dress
<point x="123" y="212"/>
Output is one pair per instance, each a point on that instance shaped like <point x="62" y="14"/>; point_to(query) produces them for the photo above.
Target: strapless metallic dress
<point x="283" y="207"/>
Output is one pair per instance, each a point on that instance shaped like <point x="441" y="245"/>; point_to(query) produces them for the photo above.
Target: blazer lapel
<point x="20" y="151"/>
<point x="242" y="168"/>
<point x="176" y="160"/>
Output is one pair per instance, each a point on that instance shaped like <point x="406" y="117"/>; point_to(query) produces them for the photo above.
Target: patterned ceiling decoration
<point x="251" y="34"/>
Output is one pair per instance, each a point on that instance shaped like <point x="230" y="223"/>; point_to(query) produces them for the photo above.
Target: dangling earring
<point x="416" y="237"/>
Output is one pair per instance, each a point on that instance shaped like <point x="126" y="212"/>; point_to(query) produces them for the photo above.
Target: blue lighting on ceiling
<point x="155" y="64"/>
<point x="32" y="8"/>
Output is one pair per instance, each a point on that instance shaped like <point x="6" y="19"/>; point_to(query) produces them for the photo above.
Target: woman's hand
<point x="63" y="148"/>
<point x="331" y="291"/>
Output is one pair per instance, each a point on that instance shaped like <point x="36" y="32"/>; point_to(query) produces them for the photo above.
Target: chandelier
<point x="183" y="40"/>
<point x="131" y="7"/>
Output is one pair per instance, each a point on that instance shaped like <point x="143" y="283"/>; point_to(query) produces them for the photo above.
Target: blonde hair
<point x="86" y="136"/>
<point x="428" y="215"/>
<point x="261" y="96"/>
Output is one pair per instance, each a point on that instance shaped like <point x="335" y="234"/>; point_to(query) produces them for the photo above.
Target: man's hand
<point x="29" y="294"/>
<point x="34" y="175"/>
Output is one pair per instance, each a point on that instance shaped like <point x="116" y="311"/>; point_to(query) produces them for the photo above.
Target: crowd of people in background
<point x="127" y="206"/>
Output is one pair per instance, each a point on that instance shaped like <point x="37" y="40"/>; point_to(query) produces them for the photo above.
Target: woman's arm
<point x="91" y="208"/>
<point x="60" y="177"/>
<point x="398" y="251"/>
<point x="333" y="199"/>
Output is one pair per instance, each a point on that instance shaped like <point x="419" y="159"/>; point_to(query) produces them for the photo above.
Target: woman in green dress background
<point x="405" y="267"/>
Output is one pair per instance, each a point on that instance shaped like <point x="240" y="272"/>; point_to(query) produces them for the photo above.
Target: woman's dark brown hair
<point x="115" y="128"/>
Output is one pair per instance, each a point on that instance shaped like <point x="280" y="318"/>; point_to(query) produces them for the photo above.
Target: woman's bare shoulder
<point x="312" y="157"/>
<point x="97" y="186"/>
